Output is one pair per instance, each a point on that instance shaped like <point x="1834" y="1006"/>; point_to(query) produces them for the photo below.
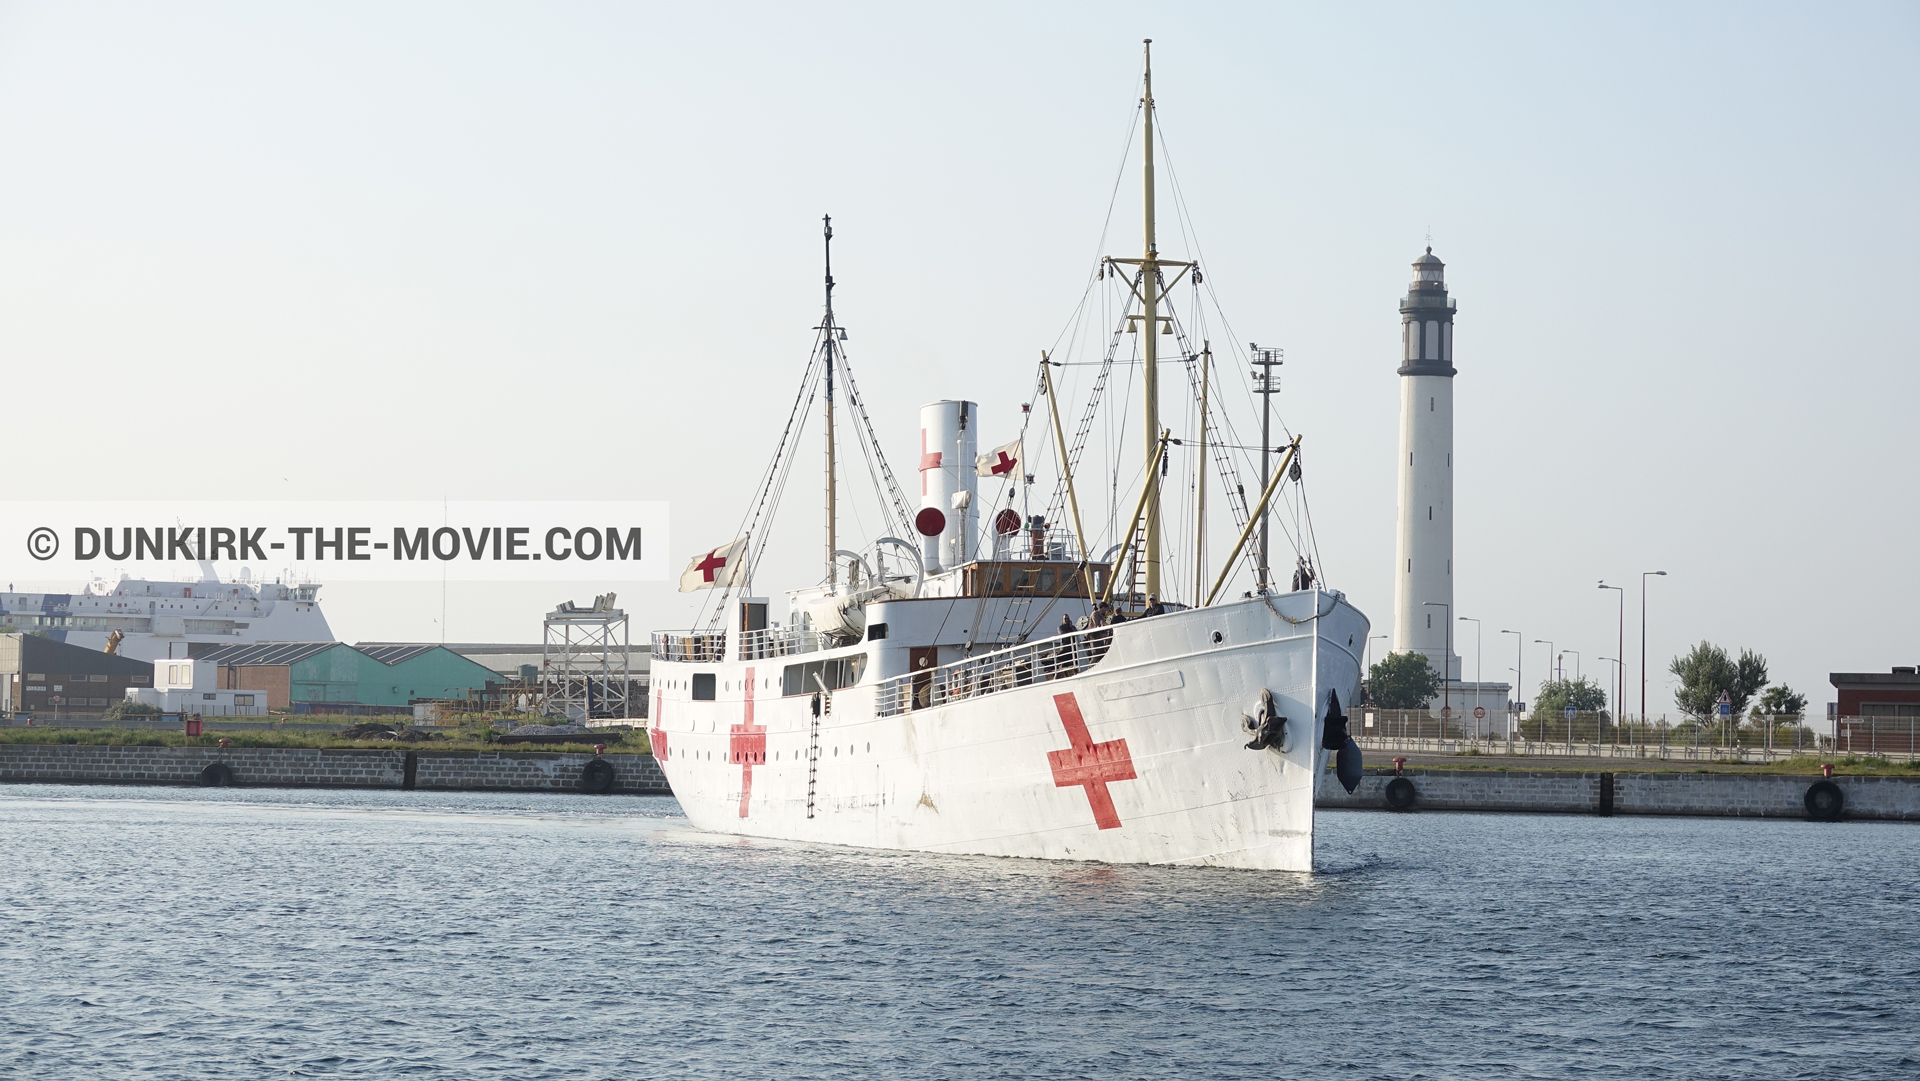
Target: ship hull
<point x="1137" y="755"/>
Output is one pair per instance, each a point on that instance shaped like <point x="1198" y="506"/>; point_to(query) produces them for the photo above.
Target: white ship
<point x="154" y="619"/>
<point x="928" y="696"/>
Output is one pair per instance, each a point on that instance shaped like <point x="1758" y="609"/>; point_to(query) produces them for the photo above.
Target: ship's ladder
<point x="822" y="702"/>
<point x="1013" y="623"/>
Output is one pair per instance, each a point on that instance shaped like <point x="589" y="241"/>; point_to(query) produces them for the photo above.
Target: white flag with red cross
<point x="999" y="462"/>
<point x="722" y="567"/>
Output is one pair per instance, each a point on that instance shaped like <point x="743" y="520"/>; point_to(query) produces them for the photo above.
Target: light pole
<point x="1370" y="641"/>
<point x="1519" y="648"/>
<point x="1620" y="668"/>
<point x="1576" y="663"/>
<point x="1536" y="698"/>
<point x="1446" y="667"/>
<point x="1643" y="641"/>
<point x="1477" y="673"/>
<point x="1616" y="702"/>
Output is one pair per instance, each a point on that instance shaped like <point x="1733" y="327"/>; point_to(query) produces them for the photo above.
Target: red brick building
<point x="1878" y="712"/>
<point x="1878" y="694"/>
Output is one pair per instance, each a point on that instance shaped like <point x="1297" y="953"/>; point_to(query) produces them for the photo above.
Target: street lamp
<point x="1620" y="670"/>
<point x="1446" y="667"/>
<point x="1576" y="663"/>
<point x="1519" y="647"/>
<point x="1643" y="640"/>
<point x="1616" y="703"/>
<point x="1536" y="698"/>
<point x="1477" y="673"/>
<point x="1370" y="640"/>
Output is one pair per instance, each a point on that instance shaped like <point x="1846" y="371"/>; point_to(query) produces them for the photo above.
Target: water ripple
<point x="184" y="933"/>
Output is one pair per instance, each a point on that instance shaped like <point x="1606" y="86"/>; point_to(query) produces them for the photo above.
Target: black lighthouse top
<point x="1426" y="320"/>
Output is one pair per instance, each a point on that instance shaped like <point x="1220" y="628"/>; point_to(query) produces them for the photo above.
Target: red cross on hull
<point x="657" y="736"/>
<point x="1090" y="765"/>
<point x="746" y="747"/>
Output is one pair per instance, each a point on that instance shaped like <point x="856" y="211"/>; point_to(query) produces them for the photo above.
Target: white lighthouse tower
<point x="1423" y="569"/>
<point x="1423" y="596"/>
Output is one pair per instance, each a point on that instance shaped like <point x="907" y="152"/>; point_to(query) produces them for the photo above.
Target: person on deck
<point x="1154" y="607"/>
<point x="1063" y="660"/>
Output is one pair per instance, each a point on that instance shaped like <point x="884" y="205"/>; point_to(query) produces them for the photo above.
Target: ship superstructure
<point x="976" y="679"/>
<point x="158" y="619"/>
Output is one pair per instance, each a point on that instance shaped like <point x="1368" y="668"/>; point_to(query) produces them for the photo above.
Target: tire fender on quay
<point x="1825" y="801"/>
<point x="1400" y="794"/>
<point x="597" y="776"/>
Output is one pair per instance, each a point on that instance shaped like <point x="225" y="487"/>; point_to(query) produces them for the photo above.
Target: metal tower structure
<point x="580" y="676"/>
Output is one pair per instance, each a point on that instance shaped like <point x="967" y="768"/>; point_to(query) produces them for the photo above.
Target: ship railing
<point x="704" y="647"/>
<point x="1028" y="545"/>
<point x="1002" y="670"/>
<point x="778" y="642"/>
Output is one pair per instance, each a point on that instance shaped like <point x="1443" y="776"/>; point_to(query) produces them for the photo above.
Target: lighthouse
<point x="1423" y="595"/>
<point x="1423" y="567"/>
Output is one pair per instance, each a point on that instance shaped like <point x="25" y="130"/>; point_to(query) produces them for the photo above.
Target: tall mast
<point x="1150" y="296"/>
<point x="1200" y="495"/>
<point x="829" y="344"/>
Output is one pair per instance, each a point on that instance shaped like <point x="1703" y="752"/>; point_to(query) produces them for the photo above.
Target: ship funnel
<point x="948" y="446"/>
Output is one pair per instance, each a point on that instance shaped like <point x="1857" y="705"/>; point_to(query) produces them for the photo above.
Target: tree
<point x="1707" y="670"/>
<point x="1583" y="694"/>
<point x="1402" y="681"/>
<point x="1780" y="700"/>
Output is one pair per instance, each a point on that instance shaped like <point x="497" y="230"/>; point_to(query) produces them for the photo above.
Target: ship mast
<point x="1150" y="311"/>
<point x="829" y="345"/>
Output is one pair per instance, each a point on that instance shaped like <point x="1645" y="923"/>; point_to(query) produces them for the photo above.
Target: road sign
<point x="1479" y="713"/>
<point x="1569" y="712"/>
<point x="1726" y="704"/>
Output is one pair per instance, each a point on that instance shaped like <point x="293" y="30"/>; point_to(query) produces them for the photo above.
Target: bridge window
<point x="835" y="673"/>
<point x="703" y="687"/>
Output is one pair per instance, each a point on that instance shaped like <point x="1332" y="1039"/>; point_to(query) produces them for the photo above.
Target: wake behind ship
<point x="991" y="686"/>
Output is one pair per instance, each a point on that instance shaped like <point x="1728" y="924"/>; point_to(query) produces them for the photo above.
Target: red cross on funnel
<point x="929" y="459"/>
<point x="746" y="746"/>
<point x="1088" y="764"/>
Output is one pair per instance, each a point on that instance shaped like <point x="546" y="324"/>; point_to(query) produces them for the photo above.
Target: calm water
<point x="249" y="934"/>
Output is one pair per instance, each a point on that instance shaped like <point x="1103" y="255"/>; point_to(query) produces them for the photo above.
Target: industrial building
<point x="38" y="674"/>
<point x="184" y="685"/>
<point x="334" y="677"/>
<point x="519" y="666"/>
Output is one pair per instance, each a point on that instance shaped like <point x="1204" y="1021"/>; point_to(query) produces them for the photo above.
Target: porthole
<point x="869" y="748"/>
<point x="836" y="750"/>
<point x="1218" y="638"/>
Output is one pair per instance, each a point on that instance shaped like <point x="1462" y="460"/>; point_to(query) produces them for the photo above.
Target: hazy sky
<point x="463" y="250"/>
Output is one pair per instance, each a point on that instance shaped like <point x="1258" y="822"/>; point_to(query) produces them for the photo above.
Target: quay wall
<point x="1738" y="795"/>
<point x="312" y="767"/>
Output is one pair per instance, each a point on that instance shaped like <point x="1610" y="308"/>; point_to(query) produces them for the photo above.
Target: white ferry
<point x="152" y="620"/>
<point x="963" y="693"/>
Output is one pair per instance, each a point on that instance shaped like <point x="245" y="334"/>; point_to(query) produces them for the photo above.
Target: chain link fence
<point x="1599" y="734"/>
